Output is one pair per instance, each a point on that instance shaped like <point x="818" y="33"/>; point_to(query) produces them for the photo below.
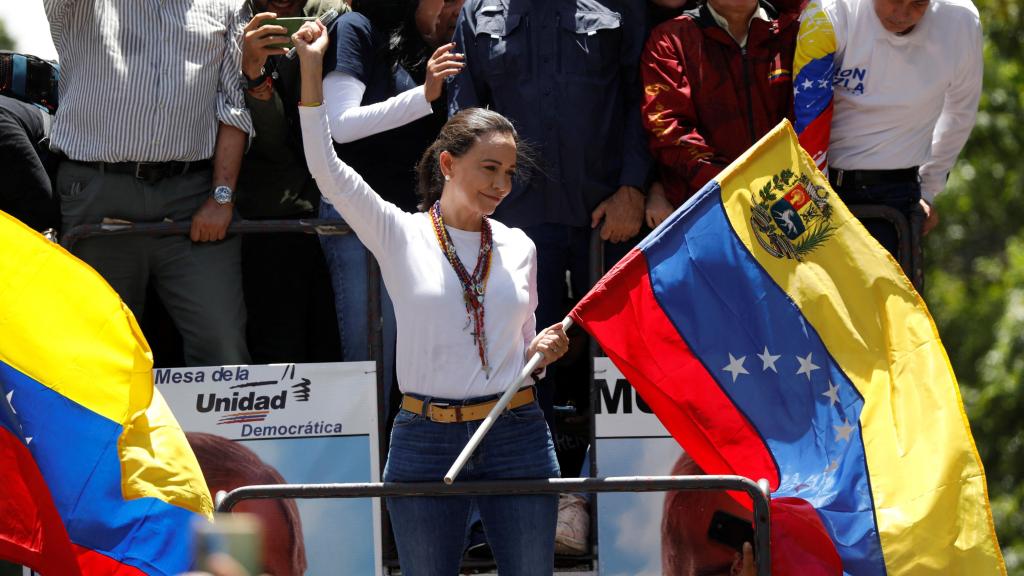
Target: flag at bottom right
<point x="774" y="338"/>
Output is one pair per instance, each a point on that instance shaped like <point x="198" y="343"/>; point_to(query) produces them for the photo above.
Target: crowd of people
<point x="473" y="146"/>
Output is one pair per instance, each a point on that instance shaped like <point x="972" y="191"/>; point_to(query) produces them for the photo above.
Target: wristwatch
<point x="251" y="83"/>
<point x="223" y="195"/>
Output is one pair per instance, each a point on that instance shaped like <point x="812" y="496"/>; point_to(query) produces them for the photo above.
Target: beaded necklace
<point x="473" y="286"/>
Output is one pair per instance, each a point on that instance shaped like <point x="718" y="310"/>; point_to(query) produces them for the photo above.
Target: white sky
<point x="26" y="23"/>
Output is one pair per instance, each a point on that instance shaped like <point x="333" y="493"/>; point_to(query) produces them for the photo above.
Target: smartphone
<point x="292" y="24"/>
<point x="239" y="536"/>
<point x="730" y="530"/>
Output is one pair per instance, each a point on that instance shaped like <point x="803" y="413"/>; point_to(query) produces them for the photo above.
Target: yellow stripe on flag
<point x="62" y="325"/>
<point x="927" y="481"/>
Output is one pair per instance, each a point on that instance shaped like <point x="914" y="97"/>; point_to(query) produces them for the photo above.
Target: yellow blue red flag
<point x="776" y="339"/>
<point x="105" y="480"/>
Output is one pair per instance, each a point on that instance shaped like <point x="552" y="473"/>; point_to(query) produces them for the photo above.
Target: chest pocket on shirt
<point x="590" y="42"/>
<point x="504" y="40"/>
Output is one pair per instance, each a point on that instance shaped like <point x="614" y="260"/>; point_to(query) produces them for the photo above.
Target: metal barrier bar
<point x="320" y="226"/>
<point x="762" y="524"/>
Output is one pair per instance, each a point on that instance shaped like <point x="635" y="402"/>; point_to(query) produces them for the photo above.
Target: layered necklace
<point x="473" y="285"/>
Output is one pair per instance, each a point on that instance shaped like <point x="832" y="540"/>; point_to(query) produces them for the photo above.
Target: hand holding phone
<point x="730" y="530"/>
<point x="292" y="26"/>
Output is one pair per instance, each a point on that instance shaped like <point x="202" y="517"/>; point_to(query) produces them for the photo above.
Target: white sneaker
<point x="573" y="529"/>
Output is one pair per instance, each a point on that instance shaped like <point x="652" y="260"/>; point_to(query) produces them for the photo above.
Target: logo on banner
<point x="791" y="216"/>
<point x="248" y="401"/>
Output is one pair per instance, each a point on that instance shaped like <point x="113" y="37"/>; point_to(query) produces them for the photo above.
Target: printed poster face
<point x="307" y="423"/>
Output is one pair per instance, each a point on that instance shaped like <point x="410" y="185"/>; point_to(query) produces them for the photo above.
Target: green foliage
<point x="975" y="277"/>
<point x="6" y="42"/>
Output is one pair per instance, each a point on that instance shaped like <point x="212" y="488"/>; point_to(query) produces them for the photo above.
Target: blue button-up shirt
<point x="566" y="73"/>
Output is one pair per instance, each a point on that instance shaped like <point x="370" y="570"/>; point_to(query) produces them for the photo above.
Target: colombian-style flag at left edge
<point x="98" y="477"/>
<point x="774" y="338"/>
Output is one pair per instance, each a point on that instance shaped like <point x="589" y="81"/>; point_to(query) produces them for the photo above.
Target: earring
<point x="447" y="178"/>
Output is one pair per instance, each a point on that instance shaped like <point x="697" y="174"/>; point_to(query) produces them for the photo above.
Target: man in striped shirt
<point x="153" y="126"/>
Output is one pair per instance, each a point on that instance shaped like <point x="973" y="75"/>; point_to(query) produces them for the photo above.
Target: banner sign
<point x="311" y="423"/>
<point x="631" y="441"/>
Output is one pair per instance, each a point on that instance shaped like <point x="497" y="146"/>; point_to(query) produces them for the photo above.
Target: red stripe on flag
<point x="31" y="531"/>
<point x="92" y="562"/>
<point x="632" y="329"/>
<point x="815" y="137"/>
<point x="800" y="543"/>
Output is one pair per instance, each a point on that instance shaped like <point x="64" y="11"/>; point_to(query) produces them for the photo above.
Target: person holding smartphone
<point x="704" y="533"/>
<point x="285" y="279"/>
<point x="464" y="292"/>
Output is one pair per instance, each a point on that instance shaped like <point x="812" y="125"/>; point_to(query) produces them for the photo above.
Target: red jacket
<point x="706" y="101"/>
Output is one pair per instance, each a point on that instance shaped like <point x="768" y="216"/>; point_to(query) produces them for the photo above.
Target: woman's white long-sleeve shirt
<point x="436" y="354"/>
<point x="350" y="121"/>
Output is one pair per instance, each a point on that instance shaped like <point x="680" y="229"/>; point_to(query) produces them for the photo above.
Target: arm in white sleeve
<point x="958" y="115"/>
<point x="530" y="327"/>
<point x="350" y="122"/>
<point x="375" y="221"/>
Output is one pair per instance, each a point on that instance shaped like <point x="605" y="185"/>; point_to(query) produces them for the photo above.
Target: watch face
<point x="222" y="194"/>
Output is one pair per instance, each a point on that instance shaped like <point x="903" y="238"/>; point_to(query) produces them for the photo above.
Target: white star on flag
<point x="806" y="366"/>
<point x="832" y="394"/>
<point x="832" y="466"/>
<point x="823" y="83"/>
<point x="735" y="366"/>
<point x="843" y="432"/>
<point x="808" y="84"/>
<point x="768" y="360"/>
<point x="10" y="401"/>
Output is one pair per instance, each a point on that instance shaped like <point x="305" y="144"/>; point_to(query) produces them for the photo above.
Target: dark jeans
<point x="431" y="531"/>
<point x="563" y="277"/>
<point x="903" y="196"/>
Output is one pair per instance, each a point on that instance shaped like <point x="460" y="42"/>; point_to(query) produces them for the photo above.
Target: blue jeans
<point x="431" y="532"/>
<point x="348" y="263"/>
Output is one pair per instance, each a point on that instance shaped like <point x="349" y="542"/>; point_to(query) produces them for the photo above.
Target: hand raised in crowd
<point x="442" y="64"/>
<point x="743" y="565"/>
<point x="311" y="40"/>
<point x="657" y="208"/>
<point x="259" y="42"/>
<point x="623" y="214"/>
<point x="210" y="223"/>
<point x="551" y="342"/>
<point x="931" y="217"/>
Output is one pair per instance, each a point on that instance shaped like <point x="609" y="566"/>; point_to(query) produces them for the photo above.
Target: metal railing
<point x="756" y="491"/>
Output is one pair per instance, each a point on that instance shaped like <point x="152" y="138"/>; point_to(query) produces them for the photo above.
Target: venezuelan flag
<point x="776" y="339"/>
<point x="814" y="66"/>
<point x="106" y="483"/>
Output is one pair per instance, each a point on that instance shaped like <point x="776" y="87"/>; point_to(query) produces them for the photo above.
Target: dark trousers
<point x="563" y="277"/>
<point x="903" y="196"/>
<point x="200" y="283"/>
<point x="288" y="299"/>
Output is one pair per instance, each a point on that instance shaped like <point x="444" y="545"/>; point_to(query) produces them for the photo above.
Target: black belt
<point x="149" y="171"/>
<point x="859" y="178"/>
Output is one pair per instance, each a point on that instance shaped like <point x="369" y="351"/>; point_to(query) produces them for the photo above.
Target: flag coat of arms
<point x="98" y="476"/>
<point x="774" y="338"/>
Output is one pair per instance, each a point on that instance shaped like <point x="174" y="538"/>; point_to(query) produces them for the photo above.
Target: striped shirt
<point x="146" y="80"/>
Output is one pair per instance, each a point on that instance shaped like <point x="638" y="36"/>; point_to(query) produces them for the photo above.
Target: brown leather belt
<point x="448" y="414"/>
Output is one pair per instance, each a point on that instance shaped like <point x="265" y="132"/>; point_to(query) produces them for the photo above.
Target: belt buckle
<point x="147" y="172"/>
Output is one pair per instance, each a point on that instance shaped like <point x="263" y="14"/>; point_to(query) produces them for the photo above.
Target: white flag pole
<point x="506" y="397"/>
